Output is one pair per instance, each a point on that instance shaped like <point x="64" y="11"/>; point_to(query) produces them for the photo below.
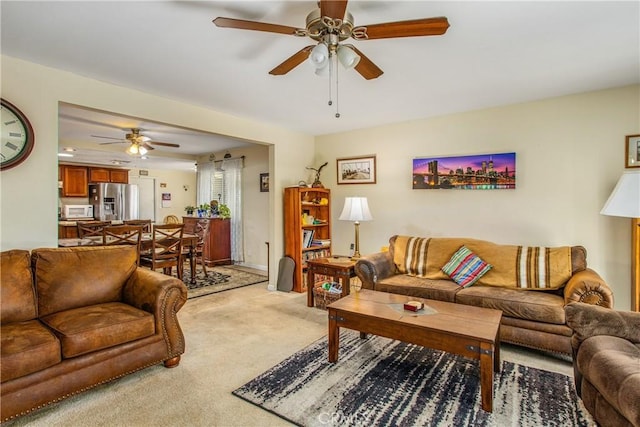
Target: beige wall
<point x="569" y="154"/>
<point x="29" y="193"/>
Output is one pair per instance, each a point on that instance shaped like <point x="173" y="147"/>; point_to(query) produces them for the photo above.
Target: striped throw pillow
<point x="465" y="267"/>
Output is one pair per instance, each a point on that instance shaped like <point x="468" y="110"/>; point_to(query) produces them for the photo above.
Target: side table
<point x="341" y="268"/>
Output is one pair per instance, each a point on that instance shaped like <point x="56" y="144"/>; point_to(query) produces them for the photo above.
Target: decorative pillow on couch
<point x="465" y="267"/>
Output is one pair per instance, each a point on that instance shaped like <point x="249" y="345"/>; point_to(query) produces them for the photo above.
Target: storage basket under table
<point x="323" y="297"/>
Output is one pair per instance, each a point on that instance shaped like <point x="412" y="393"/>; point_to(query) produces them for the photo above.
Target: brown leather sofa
<point x="606" y="363"/>
<point x="531" y="318"/>
<point x="74" y="318"/>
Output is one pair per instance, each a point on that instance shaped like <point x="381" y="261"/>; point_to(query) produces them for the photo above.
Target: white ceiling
<point x="494" y="53"/>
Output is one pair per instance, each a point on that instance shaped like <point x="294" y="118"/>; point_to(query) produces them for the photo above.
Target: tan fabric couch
<point x="74" y="318"/>
<point x="606" y="363"/>
<point x="531" y="318"/>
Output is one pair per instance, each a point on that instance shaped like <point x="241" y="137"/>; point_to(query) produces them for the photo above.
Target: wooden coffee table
<point x="469" y="331"/>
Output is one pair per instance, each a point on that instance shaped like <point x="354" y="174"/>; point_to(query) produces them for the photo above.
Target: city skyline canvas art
<point x="473" y="172"/>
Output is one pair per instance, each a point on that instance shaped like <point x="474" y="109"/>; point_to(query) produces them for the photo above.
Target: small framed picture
<point x="356" y="170"/>
<point x="264" y="182"/>
<point x="632" y="152"/>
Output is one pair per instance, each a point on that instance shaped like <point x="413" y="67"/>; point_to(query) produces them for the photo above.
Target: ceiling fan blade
<point x="164" y="144"/>
<point x="366" y="67"/>
<point x="412" y="28"/>
<point x="292" y="62"/>
<point x="114" y="142"/>
<point x="107" y="137"/>
<point x="147" y="146"/>
<point x="241" y="24"/>
<point x="333" y="8"/>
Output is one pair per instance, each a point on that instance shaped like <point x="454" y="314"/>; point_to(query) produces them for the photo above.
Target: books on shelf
<point x="307" y="238"/>
<point x="320" y="242"/>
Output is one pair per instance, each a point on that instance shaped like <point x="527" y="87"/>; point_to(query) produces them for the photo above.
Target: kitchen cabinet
<point x="74" y="181"/>
<point x="217" y="248"/>
<point x="108" y="175"/>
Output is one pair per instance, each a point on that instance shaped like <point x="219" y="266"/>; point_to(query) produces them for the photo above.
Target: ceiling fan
<point x="329" y="25"/>
<point x="140" y="144"/>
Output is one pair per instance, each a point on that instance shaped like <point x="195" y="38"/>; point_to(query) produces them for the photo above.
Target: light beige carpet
<point x="231" y="338"/>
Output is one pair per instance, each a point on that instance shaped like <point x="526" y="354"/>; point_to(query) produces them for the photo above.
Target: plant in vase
<point x="189" y="209"/>
<point x="224" y="211"/>
<point x="203" y="210"/>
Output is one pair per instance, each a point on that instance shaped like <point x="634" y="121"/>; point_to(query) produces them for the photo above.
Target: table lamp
<point x="356" y="209"/>
<point x="624" y="201"/>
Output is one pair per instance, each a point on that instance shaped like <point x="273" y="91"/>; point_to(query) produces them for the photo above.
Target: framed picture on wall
<point x="356" y="170"/>
<point x="632" y="152"/>
<point x="264" y="182"/>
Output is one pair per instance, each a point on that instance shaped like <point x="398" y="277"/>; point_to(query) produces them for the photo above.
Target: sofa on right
<point x="530" y="285"/>
<point x="606" y="362"/>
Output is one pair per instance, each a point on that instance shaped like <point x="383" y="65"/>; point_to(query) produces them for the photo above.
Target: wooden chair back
<point x="166" y="248"/>
<point x="123" y="235"/>
<point x="91" y="228"/>
<point x="144" y="223"/>
<point x="171" y="219"/>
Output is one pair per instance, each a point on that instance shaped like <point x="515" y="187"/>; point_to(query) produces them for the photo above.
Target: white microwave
<point x="78" y="211"/>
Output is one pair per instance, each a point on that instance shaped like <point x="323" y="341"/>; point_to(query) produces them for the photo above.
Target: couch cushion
<point x="612" y="366"/>
<point x="17" y="297"/>
<point x="68" y="278"/>
<point x="403" y="284"/>
<point x="27" y="347"/>
<point x="86" y="329"/>
<point x="465" y="267"/>
<point x="537" y="306"/>
<point x="513" y="266"/>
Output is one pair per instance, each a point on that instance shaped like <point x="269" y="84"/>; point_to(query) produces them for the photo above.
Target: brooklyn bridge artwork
<point x="475" y="172"/>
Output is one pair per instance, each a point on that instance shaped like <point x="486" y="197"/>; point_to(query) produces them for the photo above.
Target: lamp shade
<point x="319" y="56"/>
<point x="347" y="57"/>
<point x="624" y="201"/>
<point x="356" y="209"/>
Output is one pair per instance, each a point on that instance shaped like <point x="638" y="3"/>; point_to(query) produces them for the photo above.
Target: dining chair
<point x="144" y="223"/>
<point x="91" y="228"/>
<point x="171" y="219"/>
<point x="166" y="249"/>
<point x="201" y="229"/>
<point x="123" y="235"/>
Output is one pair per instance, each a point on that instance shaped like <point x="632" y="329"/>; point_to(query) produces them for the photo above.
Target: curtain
<point x="232" y="172"/>
<point x="203" y="183"/>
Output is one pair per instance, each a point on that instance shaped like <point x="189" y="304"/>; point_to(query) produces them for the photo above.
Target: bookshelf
<point x="299" y="203"/>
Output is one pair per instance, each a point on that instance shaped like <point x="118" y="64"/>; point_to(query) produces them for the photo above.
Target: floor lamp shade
<point x="624" y="201"/>
<point x="356" y="209"/>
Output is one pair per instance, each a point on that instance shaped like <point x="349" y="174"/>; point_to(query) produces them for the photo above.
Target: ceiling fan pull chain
<point x="330" y="65"/>
<point x="337" y="95"/>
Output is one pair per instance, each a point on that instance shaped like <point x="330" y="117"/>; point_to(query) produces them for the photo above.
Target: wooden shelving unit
<point x="297" y="202"/>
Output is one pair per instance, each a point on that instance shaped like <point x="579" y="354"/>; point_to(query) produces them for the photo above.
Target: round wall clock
<point x="17" y="136"/>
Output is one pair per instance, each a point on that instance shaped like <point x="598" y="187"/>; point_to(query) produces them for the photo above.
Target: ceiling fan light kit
<point x="329" y="25"/>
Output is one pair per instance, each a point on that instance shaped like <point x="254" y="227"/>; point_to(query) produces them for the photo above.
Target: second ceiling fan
<point x="330" y="25"/>
<point x="139" y="142"/>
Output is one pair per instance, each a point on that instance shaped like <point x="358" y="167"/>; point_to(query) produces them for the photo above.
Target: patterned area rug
<point x="220" y="278"/>
<point x="382" y="382"/>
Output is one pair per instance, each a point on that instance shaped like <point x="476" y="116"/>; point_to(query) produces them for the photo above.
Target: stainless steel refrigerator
<point x="114" y="202"/>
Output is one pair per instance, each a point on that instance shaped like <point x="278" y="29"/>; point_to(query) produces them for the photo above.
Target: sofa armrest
<point x="588" y="320"/>
<point x="163" y="296"/>
<point x="374" y="267"/>
<point x="588" y="287"/>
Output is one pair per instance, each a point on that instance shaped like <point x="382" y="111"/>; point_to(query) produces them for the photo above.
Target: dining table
<point x="146" y="242"/>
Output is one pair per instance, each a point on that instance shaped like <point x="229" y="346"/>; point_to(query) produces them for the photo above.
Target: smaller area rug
<point x="220" y="278"/>
<point x="382" y="382"/>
